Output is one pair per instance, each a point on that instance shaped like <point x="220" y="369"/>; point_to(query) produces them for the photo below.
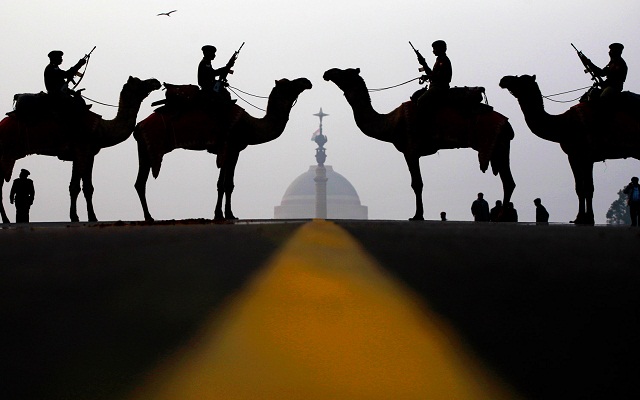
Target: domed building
<point x="320" y="192"/>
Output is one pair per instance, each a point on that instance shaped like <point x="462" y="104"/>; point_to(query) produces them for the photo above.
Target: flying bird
<point x="168" y="14"/>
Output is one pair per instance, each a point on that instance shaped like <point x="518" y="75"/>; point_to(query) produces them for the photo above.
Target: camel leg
<point x="144" y="167"/>
<point x="583" y="176"/>
<point x="74" y="191"/>
<point x="416" y="184"/>
<point x="225" y="187"/>
<point x="229" y="185"/>
<point x="87" y="188"/>
<point x="5" y="220"/>
<point x="504" y="170"/>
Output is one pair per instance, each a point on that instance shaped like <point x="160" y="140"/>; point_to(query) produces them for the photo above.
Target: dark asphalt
<point x="87" y="310"/>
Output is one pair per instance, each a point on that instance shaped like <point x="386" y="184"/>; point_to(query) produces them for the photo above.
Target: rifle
<point x="425" y="68"/>
<point x="588" y="66"/>
<point x="222" y="81"/>
<point x="81" y="74"/>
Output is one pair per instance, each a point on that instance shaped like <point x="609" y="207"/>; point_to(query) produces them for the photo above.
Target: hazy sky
<point x="291" y="39"/>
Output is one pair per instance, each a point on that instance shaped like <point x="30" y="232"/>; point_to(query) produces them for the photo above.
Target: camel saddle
<point x="35" y="107"/>
<point x="467" y="99"/>
<point x="30" y="106"/>
<point x="185" y="97"/>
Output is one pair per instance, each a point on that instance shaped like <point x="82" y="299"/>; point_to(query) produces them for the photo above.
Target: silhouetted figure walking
<point x="510" y="213"/>
<point x="496" y="212"/>
<point x="633" y="200"/>
<point x="542" y="216"/>
<point x="22" y="194"/>
<point x="443" y="216"/>
<point x="480" y="209"/>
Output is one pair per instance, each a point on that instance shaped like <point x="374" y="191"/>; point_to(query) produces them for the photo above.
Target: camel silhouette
<point x="51" y="136"/>
<point x="225" y="133"/>
<point x="415" y="136"/>
<point x="587" y="133"/>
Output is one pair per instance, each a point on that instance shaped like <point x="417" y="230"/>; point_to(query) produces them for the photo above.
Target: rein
<point x="97" y="102"/>
<point x="231" y="89"/>
<point x="565" y="101"/>
<point x="394" y="86"/>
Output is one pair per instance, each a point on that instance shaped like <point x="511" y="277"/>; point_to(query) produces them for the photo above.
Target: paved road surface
<point x="105" y="311"/>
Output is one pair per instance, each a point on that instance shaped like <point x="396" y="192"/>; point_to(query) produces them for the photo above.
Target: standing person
<point x="633" y="200"/>
<point x="542" y="216"/>
<point x="496" y="212"/>
<point x="510" y="213"/>
<point x="480" y="209"/>
<point x="443" y="216"/>
<point x="22" y="194"/>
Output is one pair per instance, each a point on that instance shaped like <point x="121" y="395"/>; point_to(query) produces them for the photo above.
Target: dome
<point x="299" y="200"/>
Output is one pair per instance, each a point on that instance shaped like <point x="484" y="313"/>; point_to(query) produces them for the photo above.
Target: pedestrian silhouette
<point x="443" y="216"/>
<point x="22" y="194"/>
<point x="496" y="212"/>
<point x="633" y="200"/>
<point x="542" y="216"/>
<point x="480" y="209"/>
<point x="510" y="213"/>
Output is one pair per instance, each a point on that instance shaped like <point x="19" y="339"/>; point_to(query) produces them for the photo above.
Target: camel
<point x="223" y="132"/>
<point x="50" y="136"/>
<point x="449" y="128"/>
<point x="587" y="133"/>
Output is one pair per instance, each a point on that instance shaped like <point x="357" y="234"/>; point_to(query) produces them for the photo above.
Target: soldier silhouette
<point x="22" y="194"/>
<point x="439" y="77"/>
<point x="56" y="81"/>
<point x="615" y="71"/>
<point x="207" y="76"/>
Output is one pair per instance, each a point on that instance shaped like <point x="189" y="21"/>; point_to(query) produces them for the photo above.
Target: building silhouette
<point x="320" y="192"/>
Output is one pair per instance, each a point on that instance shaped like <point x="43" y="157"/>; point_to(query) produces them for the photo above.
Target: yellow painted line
<point x="323" y="321"/>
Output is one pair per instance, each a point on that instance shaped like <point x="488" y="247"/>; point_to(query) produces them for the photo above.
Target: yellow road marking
<point x="324" y="321"/>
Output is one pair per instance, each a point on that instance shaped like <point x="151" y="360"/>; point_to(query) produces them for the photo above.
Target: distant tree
<point x="618" y="213"/>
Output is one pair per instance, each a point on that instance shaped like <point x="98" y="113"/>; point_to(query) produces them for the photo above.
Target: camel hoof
<point x="217" y="216"/>
<point x="416" y="218"/>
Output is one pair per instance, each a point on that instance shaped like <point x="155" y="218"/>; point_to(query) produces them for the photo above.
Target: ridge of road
<point x="323" y="320"/>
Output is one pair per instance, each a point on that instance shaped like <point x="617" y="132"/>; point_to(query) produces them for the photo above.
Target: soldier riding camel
<point x="615" y="73"/>
<point x="439" y="77"/>
<point x="213" y="82"/>
<point x="64" y="100"/>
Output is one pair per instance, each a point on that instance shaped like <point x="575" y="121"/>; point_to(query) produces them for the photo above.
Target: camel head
<point x="520" y="86"/>
<point x="343" y="78"/>
<point x="137" y="89"/>
<point x="286" y="91"/>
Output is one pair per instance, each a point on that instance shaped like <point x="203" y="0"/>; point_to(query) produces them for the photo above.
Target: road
<point x="133" y="310"/>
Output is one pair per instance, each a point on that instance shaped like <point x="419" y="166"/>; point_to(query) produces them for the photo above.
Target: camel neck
<point x="540" y="122"/>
